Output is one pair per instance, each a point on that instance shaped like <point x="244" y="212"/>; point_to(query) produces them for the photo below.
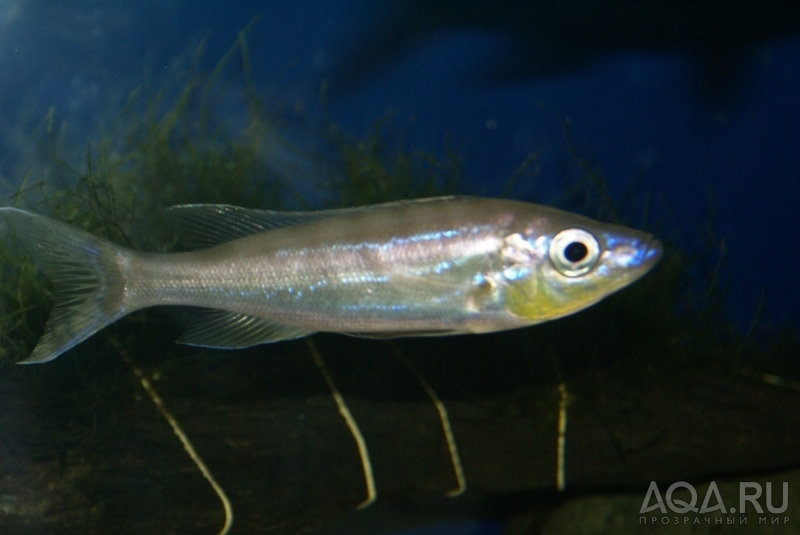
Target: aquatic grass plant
<point x="176" y="143"/>
<point x="169" y="144"/>
<point x="379" y="168"/>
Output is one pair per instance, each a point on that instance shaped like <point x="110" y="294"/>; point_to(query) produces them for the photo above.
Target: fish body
<point x="448" y="265"/>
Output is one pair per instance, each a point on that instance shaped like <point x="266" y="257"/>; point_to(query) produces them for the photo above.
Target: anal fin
<point x="230" y="330"/>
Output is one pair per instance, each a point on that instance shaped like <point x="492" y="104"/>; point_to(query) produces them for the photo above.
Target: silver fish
<point x="439" y="266"/>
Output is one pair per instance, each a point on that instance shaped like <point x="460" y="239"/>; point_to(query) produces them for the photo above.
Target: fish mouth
<point x="655" y="249"/>
<point x="635" y="255"/>
<point x="652" y="253"/>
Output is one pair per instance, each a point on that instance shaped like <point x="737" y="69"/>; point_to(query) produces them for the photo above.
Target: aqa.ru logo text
<point x="750" y="492"/>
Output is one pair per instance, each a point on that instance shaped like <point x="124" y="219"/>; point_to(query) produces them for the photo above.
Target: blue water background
<point x="632" y="113"/>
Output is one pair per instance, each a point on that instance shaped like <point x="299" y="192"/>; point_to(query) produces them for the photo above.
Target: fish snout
<point x="652" y="253"/>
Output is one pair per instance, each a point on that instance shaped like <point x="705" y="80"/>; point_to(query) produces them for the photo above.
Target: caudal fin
<point x="86" y="273"/>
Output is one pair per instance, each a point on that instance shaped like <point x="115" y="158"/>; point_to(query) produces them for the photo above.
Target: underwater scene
<point x="399" y="267"/>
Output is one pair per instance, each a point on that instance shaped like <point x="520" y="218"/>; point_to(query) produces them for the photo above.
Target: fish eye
<point x="574" y="251"/>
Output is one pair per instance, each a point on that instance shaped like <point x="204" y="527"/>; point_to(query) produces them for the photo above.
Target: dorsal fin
<point x="206" y="225"/>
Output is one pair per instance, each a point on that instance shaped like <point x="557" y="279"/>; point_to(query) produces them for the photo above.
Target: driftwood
<point x="100" y="461"/>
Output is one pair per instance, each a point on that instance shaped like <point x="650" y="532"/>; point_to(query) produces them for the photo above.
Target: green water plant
<point x="176" y="143"/>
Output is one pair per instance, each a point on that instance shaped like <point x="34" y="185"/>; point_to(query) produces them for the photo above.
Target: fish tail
<point x="86" y="272"/>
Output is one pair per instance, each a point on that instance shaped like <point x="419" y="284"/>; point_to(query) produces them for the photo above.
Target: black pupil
<point x="575" y="252"/>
